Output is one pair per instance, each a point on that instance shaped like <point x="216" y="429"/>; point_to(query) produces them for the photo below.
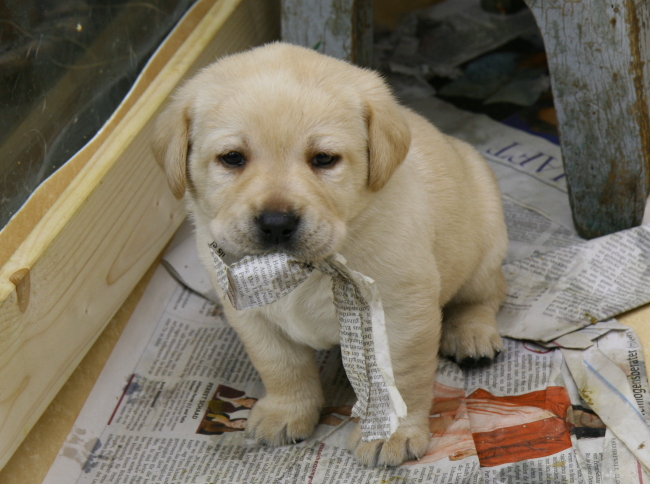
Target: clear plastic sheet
<point x="65" y="65"/>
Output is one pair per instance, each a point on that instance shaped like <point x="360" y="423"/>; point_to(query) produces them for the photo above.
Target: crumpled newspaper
<point x="262" y="279"/>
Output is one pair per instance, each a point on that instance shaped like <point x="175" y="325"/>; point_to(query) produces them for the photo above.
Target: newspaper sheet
<point x="172" y="402"/>
<point x="557" y="292"/>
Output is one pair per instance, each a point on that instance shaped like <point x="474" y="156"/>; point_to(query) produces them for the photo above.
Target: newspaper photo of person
<point x="520" y="427"/>
<point x="226" y="402"/>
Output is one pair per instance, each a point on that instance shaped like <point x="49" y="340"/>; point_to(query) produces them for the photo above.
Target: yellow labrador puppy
<point x="284" y="149"/>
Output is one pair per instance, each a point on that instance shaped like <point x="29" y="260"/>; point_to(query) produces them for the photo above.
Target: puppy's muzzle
<point x="277" y="228"/>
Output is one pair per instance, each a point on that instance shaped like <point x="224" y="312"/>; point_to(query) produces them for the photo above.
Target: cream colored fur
<point x="416" y="210"/>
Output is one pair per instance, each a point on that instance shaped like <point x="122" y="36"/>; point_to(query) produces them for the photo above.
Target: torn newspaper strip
<point x="263" y="279"/>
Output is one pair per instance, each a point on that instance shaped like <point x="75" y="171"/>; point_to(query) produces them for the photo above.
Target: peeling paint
<point x="598" y="58"/>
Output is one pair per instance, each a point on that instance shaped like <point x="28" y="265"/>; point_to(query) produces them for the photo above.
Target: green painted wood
<point x="599" y="61"/>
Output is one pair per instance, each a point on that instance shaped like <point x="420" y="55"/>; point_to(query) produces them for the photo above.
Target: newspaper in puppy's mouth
<point x="257" y="280"/>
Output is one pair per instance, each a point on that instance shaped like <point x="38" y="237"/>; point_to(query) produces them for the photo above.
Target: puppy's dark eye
<point x="324" y="159"/>
<point x="233" y="158"/>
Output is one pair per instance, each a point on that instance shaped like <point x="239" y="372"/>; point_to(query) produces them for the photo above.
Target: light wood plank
<point x="99" y="237"/>
<point x="32" y="460"/>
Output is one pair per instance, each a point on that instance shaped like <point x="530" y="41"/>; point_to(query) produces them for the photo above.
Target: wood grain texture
<point x="102" y="233"/>
<point x="338" y="28"/>
<point x="599" y="61"/>
<point x="33" y="458"/>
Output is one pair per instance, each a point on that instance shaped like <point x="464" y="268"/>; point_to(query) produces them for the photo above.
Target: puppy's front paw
<point x="410" y="441"/>
<point x="470" y="343"/>
<point x="280" y="421"/>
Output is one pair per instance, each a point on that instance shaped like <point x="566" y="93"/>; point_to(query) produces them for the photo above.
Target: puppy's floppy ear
<point x="171" y="142"/>
<point x="389" y="136"/>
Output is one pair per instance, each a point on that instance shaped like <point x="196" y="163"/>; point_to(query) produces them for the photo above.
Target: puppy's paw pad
<point x="407" y="443"/>
<point x="275" y="422"/>
<point x="471" y="344"/>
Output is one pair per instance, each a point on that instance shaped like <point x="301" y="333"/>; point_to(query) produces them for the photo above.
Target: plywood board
<point x="76" y="267"/>
<point x="33" y="458"/>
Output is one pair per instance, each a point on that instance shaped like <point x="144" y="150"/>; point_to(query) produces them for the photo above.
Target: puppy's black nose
<point x="277" y="227"/>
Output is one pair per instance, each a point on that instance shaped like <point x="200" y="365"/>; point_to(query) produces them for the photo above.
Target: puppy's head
<point x="279" y="148"/>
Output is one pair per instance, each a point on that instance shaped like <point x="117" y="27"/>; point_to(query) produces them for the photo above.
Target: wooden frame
<point x="79" y="246"/>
